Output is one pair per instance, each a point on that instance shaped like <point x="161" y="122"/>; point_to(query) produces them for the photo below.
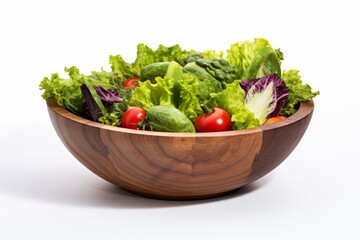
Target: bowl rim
<point x="305" y="109"/>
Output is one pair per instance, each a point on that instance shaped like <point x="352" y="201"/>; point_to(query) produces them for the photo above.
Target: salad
<point x="176" y="90"/>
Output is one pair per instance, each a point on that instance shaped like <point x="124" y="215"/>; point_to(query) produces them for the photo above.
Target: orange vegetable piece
<point x="274" y="119"/>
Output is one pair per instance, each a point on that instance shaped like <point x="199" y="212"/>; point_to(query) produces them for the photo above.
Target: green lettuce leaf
<point x="103" y="78"/>
<point x="66" y="91"/>
<point x="255" y="59"/>
<point x="299" y="92"/>
<point x="176" y="89"/>
<point x="121" y="68"/>
<point x="148" y="94"/>
<point x="146" y="56"/>
<point x="211" y="54"/>
<point x="172" y="53"/>
<point x="190" y="88"/>
<point x="231" y="99"/>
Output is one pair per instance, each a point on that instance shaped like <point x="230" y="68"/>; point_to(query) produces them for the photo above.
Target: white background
<point x="45" y="193"/>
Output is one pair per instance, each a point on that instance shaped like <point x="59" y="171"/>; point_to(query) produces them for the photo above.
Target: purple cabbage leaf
<point x="265" y="96"/>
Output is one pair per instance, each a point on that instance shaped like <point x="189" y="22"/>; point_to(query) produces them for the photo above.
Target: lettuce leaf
<point x="255" y="59"/>
<point x="97" y="101"/>
<point x="232" y="100"/>
<point x="176" y="89"/>
<point x="146" y="56"/>
<point x="148" y="94"/>
<point x="93" y="103"/>
<point x="299" y="92"/>
<point x="211" y="54"/>
<point x="190" y="89"/>
<point x="66" y="91"/>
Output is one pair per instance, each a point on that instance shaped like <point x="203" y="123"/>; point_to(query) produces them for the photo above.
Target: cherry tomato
<point x="131" y="83"/>
<point x="133" y="117"/>
<point x="218" y="120"/>
<point x="274" y="119"/>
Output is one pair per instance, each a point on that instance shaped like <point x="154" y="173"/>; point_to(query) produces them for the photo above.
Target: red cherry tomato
<point x="133" y="117"/>
<point x="131" y="83"/>
<point x="218" y="120"/>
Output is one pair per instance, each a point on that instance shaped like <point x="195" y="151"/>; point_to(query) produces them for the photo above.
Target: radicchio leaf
<point x="97" y="102"/>
<point x="90" y="105"/>
<point x="108" y="97"/>
<point x="265" y="96"/>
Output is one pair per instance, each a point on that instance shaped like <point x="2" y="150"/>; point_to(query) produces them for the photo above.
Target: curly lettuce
<point x="299" y="92"/>
<point x="200" y="79"/>
<point x="175" y="89"/>
<point x="67" y="91"/>
<point x="146" y="56"/>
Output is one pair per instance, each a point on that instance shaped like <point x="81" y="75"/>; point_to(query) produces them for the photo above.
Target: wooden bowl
<point x="179" y="165"/>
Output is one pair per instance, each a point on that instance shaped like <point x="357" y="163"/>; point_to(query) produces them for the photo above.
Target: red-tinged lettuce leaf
<point x="98" y="100"/>
<point x="265" y="96"/>
<point x="91" y="107"/>
<point x="108" y="97"/>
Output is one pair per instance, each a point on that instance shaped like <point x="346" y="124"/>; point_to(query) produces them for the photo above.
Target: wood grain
<point x="179" y="165"/>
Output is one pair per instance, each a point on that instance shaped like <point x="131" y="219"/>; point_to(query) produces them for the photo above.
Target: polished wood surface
<point x="179" y="165"/>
